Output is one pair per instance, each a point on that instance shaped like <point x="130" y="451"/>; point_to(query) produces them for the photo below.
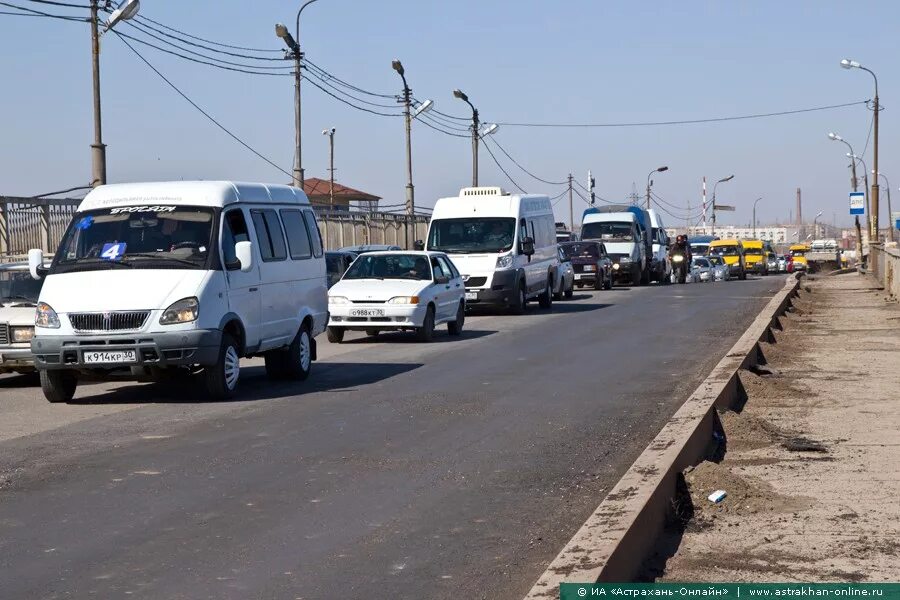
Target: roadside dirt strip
<point x="812" y="470"/>
<point x="624" y="530"/>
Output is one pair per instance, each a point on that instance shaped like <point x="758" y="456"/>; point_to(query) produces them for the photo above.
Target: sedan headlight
<point x="338" y="300"/>
<point x="404" y="300"/>
<point x="46" y="317"/>
<point x="505" y="261"/>
<point x="183" y="311"/>
<point x="21" y="334"/>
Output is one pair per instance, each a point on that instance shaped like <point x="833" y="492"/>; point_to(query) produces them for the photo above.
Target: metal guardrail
<point x="27" y="223"/>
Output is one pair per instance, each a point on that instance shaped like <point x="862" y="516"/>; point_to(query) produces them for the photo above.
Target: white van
<point x="153" y="279"/>
<point x="621" y="233"/>
<point x="504" y="245"/>
<point x="660" y="265"/>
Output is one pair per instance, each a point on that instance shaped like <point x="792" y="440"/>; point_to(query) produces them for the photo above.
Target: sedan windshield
<point x="18" y="288"/>
<point x="580" y="250"/>
<point x="615" y="232"/>
<point x="472" y="235"/>
<point x="390" y="266"/>
<point x="140" y="237"/>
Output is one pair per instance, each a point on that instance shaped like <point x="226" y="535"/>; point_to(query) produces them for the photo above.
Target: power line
<point x="314" y="83"/>
<point x="686" y="122"/>
<point x="527" y="172"/>
<point x="30" y="12"/>
<point x="53" y="3"/>
<point x="202" y="62"/>
<point x="337" y="90"/>
<point x="194" y="37"/>
<point x="325" y="74"/>
<point x="423" y="119"/>
<point x="211" y="49"/>
<point x="869" y="135"/>
<point x="195" y="105"/>
<point x="499" y="166"/>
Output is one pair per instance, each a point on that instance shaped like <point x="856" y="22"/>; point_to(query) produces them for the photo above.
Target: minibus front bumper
<point x="503" y="290"/>
<point x="169" y="349"/>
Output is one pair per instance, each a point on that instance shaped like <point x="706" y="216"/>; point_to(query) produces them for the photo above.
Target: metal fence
<point x="27" y="223"/>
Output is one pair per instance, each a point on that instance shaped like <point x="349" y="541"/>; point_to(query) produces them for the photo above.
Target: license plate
<point x="367" y="312"/>
<point x="471" y="295"/>
<point x="115" y="356"/>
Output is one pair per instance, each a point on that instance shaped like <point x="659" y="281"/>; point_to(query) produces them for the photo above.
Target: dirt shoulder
<point x="812" y="468"/>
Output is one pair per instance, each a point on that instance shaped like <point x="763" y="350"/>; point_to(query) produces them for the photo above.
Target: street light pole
<point x="887" y="186"/>
<point x="475" y="125"/>
<point x="98" y="148"/>
<point x="650" y="183"/>
<point x="873" y="221"/>
<point x="815" y="226"/>
<point x="754" y="216"/>
<point x="330" y="134"/>
<point x="723" y="180"/>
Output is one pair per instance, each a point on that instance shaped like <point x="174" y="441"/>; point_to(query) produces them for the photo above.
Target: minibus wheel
<point x="58" y="386"/>
<point x="221" y="379"/>
<point x="298" y="356"/>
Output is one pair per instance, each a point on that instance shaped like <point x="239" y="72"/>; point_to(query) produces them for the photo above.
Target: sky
<point x="519" y="61"/>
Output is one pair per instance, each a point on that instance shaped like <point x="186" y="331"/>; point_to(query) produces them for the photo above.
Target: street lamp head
<point x="661" y="169"/>
<point x="724" y="179"/>
<point x="398" y="66"/>
<point x="329" y="131"/>
<point x="459" y="94"/>
<point x="835" y="137"/>
<point x="423" y="108"/>
<point x="820" y="214"/>
<point x="849" y="64"/>
<point x="281" y="31"/>
<point x="126" y="10"/>
<point x="492" y="128"/>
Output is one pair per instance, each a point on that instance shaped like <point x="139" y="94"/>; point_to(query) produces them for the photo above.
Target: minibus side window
<point x="313" y="233"/>
<point x="268" y="232"/>
<point x="297" y="235"/>
<point x="234" y="230"/>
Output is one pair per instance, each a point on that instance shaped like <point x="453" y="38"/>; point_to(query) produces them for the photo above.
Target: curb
<point x="621" y="533"/>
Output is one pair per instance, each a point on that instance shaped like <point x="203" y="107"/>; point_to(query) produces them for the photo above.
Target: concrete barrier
<point x="614" y="542"/>
<point x="884" y="264"/>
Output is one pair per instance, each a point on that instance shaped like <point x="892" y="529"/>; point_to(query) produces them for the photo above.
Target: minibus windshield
<point x="138" y="237"/>
<point x="612" y="232"/>
<point x="472" y="235"/>
<point x="18" y="288"/>
<point x="724" y="250"/>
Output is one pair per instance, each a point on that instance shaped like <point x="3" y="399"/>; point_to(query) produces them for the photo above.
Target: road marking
<point x="147" y="473"/>
<point x="155" y="437"/>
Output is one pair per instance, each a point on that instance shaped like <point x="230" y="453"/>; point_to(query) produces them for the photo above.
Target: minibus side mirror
<point x="36" y="263"/>
<point x="527" y="246"/>
<point x="244" y="253"/>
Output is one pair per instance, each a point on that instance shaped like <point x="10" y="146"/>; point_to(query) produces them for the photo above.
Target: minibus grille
<point x="4" y="333"/>
<point x="109" y="321"/>
<point x="475" y="281"/>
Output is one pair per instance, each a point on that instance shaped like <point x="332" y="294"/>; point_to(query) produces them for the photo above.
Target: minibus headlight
<point x="505" y="261"/>
<point x="616" y="267"/>
<point x="404" y="300"/>
<point x="338" y="300"/>
<point x="21" y="334"/>
<point x="183" y="311"/>
<point x="45" y="316"/>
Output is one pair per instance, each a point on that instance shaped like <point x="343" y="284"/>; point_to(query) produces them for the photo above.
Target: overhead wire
<point x="198" y="107"/>
<point x="526" y="171"/>
<point x="324" y="73"/>
<point x="205" y="47"/>
<point x="318" y="86"/>
<point x="686" y="121"/>
<point x="56" y="3"/>
<point x="38" y="13"/>
<point x="194" y="37"/>
<point x="337" y="90"/>
<point x="424" y="120"/>
<point x="499" y="166"/>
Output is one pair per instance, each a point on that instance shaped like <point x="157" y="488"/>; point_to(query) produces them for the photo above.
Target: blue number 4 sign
<point x="113" y="251"/>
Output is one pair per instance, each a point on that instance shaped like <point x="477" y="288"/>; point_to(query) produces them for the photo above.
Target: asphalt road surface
<point x="456" y="469"/>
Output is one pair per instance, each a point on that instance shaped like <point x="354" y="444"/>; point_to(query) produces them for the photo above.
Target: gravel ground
<point x="812" y="469"/>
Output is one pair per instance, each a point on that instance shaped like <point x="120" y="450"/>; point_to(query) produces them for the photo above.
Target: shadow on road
<point x="563" y="308"/>
<point x="408" y="337"/>
<point x="14" y="381"/>
<point x="254" y="386"/>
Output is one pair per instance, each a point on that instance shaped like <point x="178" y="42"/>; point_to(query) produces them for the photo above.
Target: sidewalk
<point x="812" y="469"/>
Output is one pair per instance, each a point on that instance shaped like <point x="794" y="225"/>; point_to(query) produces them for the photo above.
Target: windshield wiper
<point x="157" y="257"/>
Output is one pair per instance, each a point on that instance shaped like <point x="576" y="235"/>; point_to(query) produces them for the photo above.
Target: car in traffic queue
<point x="755" y="257"/>
<point x="591" y="263"/>
<point x="364" y="248"/>
<point x="721" y="272"/>
<point x="782" y="263"/>
<point x="564" y="284"/>
<point x="771" y="262"/>
<point x="732" y="252"/>
<point x="18" y="298"/>
<point x="702" y="269"/>
<point x="336" y="264"/>
<point x="398" y="290"/>
<point x="798" y="254"/>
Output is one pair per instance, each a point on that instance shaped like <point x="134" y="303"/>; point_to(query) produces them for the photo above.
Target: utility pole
<point x="874" y="235"/>
<point x="571" y="207"/>
<point x="475" y="133"/>
<point x="330" y="134"/>
<point x="98" y="148"/>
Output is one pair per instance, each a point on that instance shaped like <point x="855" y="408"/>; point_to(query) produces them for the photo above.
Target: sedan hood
<point x="377" y="290"/>
<point x="120" y="289"/>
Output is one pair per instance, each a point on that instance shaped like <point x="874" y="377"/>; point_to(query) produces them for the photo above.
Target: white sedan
<point x="399" y="290"/>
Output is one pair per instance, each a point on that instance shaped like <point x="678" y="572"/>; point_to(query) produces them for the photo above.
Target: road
<point x="456" y="469"/>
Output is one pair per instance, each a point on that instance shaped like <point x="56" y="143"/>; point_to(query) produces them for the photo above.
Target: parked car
<point x="701" y="268"/>
<point x="364" y="248"/>
<point x="398" y="290"/>
<point x="564" y="284"/>
<point x="591" y="263"/>
<point x="336" y="263"/>
<point x="721" y="272"/>
<point x="157" y="278"/>
<point x="18" y="299"/>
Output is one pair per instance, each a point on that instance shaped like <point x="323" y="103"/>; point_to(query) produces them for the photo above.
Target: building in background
<point x="346" y="199"/>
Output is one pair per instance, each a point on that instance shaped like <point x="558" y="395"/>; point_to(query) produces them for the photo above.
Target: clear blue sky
<point x="522" y="60"/>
